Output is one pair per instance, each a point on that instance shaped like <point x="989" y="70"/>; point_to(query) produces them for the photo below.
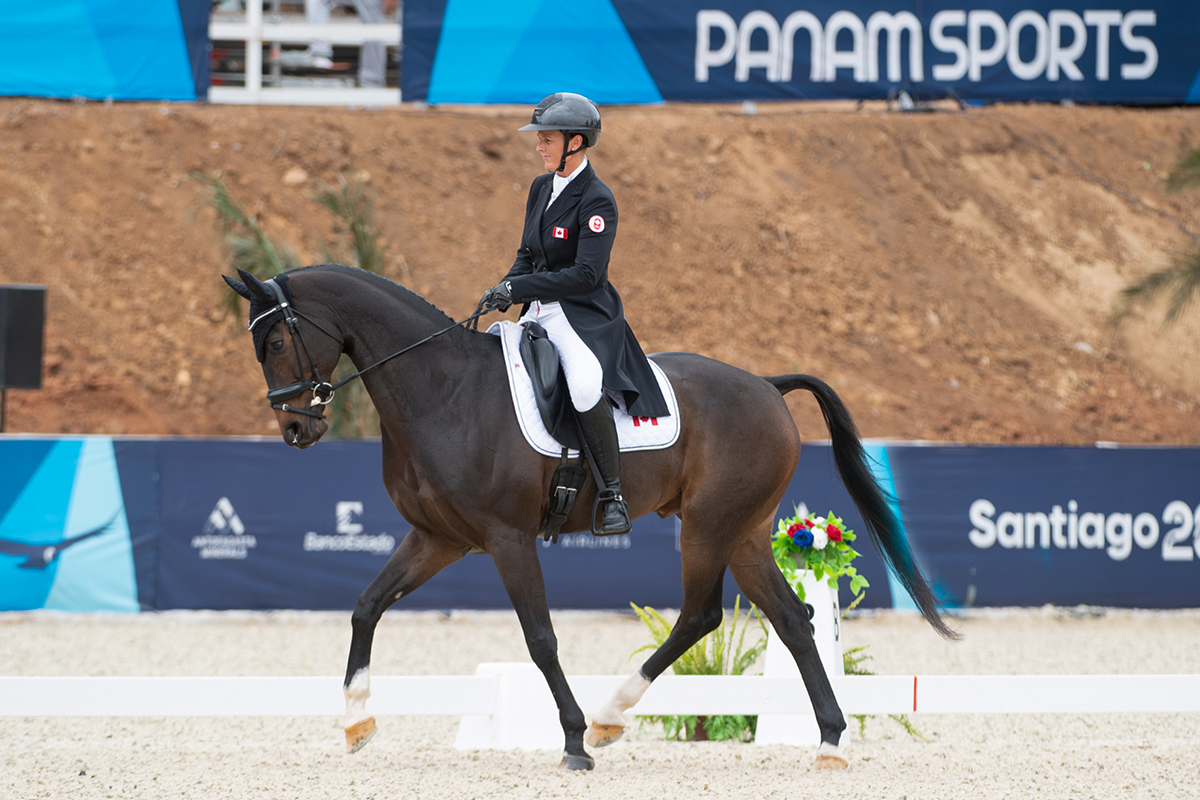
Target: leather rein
<point x="322" y="390"/>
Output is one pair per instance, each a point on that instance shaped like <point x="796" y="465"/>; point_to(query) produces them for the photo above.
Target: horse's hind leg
<point x="417" y="559"/>
<point x="515" y="555"/>
<point x="754" y="568"/>
<point x="699" y="614"/>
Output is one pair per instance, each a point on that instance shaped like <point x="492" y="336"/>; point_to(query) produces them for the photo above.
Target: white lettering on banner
<point x="586" y="541"/>
<point x="224" y="537"/>
<point x="1059" y="41"/>
<point x="345" y="513"/>
<point x="1115" y="533"/>
<point x="895" y="25"/>
<point x="355" y="543"/>
<point x="1103" y="21"/>
<point x="349" y="537"/>
<point x="1139" y="44"/>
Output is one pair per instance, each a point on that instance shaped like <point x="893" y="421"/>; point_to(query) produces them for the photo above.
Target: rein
<point x="323" y="390"/>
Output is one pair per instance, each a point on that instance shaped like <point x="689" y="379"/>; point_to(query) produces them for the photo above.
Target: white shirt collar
<point x="560" y="182"/>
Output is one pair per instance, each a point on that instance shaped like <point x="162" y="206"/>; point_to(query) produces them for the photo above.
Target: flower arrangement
<point x="806" y="541"/>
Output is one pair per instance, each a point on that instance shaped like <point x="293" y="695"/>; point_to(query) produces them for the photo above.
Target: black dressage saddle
<point x="540" y="357"/>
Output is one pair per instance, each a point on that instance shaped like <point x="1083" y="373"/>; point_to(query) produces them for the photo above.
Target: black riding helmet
<point x="573" y="114"/>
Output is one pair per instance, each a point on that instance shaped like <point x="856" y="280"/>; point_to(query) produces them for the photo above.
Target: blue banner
<point x="123" y="49"/>
<point x="628" y="51"/>
<point x="92" y="523"/>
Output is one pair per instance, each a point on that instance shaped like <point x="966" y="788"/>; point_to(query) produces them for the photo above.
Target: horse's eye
<point x="276" y="346"/>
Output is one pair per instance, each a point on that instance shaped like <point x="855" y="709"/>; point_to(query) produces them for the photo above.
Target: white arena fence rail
<point x="509" y="706"/>
<point x="256" y="30"/>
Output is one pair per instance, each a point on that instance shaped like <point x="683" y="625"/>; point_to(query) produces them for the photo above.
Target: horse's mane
<point x="401" y="293"/>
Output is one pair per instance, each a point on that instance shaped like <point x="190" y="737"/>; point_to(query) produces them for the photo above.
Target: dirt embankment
<point x="950" y="274"/>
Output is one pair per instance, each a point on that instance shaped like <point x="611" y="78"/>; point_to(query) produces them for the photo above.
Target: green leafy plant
<point x="806" y="541"/>
<point x="248" y="247"/>
<point x="725" y="651"/>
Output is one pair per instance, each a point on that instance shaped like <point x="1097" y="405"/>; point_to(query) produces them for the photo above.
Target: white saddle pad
<point x="635" y="433"/>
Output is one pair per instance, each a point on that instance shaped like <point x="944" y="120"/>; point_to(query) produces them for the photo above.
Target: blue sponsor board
<point x="93" y="523"/>
<point x="1062" y="525"/>
<point x="630" y="51"/>
<point x="123" y="49"/>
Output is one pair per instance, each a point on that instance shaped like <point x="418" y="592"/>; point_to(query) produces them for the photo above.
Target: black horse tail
<point x="873" y="502"/>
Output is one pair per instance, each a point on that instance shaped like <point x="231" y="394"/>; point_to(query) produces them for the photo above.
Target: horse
<point x="459" y="471"/>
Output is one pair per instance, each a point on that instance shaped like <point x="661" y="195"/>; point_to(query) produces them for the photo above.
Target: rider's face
<point x="549" y="147"/>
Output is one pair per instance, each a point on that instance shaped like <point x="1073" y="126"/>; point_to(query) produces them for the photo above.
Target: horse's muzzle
<point x="304" y="434"/>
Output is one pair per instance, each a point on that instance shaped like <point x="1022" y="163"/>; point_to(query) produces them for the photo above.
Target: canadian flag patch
<point x="560" y="233"/>
<point x="596" y="223"/>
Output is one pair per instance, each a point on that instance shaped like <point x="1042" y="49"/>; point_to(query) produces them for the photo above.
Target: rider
<point x="561" y="275"/>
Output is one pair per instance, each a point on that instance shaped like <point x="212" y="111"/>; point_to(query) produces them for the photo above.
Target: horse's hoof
<point x="358" y="734"/>
<point x="829" y="756"/>
<point x="601" y="735"/>
<point x="572" y="763"/>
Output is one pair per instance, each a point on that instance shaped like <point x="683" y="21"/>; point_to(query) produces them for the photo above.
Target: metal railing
<point x="255" y="30"/>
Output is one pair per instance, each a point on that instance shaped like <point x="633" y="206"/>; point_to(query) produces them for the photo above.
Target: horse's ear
<point x="237" y="286"/>
<point x="256" y="287"/>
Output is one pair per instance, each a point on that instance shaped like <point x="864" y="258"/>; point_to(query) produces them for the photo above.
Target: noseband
<point x="322" y="389"/>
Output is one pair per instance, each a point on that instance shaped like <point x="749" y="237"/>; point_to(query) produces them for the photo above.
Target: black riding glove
<point x="499" y="296"/>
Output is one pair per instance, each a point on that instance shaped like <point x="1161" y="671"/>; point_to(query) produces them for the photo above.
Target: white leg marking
<point x="356" y="697"/>
<point x="626" y="697"/>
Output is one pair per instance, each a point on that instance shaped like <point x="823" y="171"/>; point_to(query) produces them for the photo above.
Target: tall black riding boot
<point x="600" y="432"/>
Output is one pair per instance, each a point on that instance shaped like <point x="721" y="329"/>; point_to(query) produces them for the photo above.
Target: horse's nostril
<point x="291" y="434"/>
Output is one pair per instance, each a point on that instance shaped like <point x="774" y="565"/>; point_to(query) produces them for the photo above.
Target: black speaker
<point x="22" y="328"/>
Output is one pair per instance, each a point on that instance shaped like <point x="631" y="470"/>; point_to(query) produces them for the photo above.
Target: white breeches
<point x="585" y="376"/>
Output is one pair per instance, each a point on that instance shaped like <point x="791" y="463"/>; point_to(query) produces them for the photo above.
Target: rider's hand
<point x="499" y="296"/>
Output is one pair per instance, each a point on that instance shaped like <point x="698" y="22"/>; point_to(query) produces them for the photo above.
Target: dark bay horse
<point x="460" y="472"/>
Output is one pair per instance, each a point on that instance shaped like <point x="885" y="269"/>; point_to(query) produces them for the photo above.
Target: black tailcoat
<point x="564" y="256"/>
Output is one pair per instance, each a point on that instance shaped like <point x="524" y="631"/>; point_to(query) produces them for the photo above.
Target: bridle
<point x="322" y="389"/>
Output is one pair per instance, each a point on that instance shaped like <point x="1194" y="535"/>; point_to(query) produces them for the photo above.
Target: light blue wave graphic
<point x="1193" y="95"/>
<point x="519" y="52"/>
<point x="64" y="541"/>
<point x="124" y="49"/>
<point x="882" y="469"/>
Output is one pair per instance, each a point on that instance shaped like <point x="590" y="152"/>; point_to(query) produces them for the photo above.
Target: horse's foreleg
<point x="700" y="613"/>
<point x="417" y="559"/>
<point x="758" y="576"/>
<point x="517" y="562"/>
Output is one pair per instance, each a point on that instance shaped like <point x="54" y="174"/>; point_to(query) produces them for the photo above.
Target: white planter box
<point x="802" y="729"/>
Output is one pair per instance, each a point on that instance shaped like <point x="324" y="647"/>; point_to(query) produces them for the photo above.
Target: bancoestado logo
<point x="1115" y="533"/>
<point x="976" y="39"/>
<point x="224" y="536"/>
<point x="349" y="537"/>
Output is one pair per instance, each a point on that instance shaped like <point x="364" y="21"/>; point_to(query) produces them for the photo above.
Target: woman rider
<point x="561" y="275"/>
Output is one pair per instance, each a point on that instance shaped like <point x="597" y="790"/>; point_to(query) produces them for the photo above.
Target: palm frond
<point x="354" y="204"/>
<point x="1186" y="173"/>
<point x="245" y="243"/>
<point x="1178" y="282"/>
